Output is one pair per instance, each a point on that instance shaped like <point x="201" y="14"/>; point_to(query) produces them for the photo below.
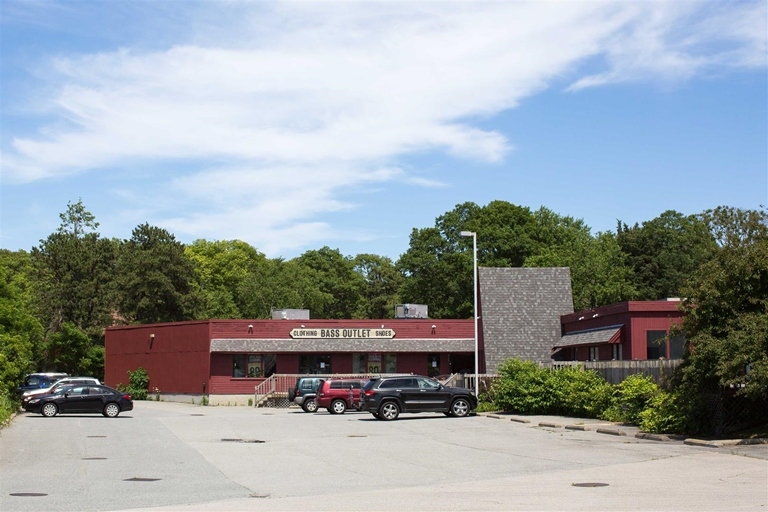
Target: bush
<point x="629" y="398"/>
<point x="7" y="406"/>
<point x="138" y="383"/>
<point x="527" y="388"/>
<point x="663" y="414"/>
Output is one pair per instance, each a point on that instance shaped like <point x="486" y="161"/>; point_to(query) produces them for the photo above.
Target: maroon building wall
<point x="176" y="357"/>
<point x="637" y="317"/>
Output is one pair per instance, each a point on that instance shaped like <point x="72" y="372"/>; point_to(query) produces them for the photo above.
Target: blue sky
<point x="298" y="125"/>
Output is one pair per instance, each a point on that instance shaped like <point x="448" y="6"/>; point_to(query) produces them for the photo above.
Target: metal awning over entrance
<point x="599" y="336"/>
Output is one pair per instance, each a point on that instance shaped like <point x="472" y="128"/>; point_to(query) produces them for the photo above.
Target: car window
<point x="78" y="390"/>
<point x="427" y="384"/>
<point x="368" y="385"/>
<point x="32" y="381"/>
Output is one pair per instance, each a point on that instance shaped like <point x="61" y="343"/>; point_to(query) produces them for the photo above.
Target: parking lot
<point x="172" y="456"/>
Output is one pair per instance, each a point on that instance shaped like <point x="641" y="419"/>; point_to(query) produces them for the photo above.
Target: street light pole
<point x="473" y="234"/>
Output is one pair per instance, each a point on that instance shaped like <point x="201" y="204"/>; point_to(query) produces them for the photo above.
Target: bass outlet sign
<point x="342" y="333"/>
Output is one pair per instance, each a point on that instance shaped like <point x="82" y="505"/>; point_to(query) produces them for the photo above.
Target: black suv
<point x="387" y="397"/>
<point x="304" y="393"/>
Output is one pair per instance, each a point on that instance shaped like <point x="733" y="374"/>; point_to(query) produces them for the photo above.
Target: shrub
<point x="629" y="398"/>
<point x="7" y="406"/>
<point x="522" y="387"/>
<point x="203" y="400"/>
<point x="579" y="392"/>
<point x="138" y="383"/>
<point x="663" y="414"/>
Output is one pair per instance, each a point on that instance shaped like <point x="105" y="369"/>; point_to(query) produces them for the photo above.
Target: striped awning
<point x="599" y="336"/>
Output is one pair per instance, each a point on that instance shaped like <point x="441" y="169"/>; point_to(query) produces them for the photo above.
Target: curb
<point x="611" y="431"/>
<point x="578" y="427"/>
<point x="548" y="424"/>
<point x="725" y="442"/>
<point x="519" y="420"/>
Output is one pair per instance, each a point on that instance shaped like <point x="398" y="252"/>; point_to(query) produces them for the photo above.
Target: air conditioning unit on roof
<point x="290" y="314"/>
<point x="411" y="311"/>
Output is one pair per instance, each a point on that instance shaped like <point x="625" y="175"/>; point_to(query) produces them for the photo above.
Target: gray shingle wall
<point x="521" y="310"/>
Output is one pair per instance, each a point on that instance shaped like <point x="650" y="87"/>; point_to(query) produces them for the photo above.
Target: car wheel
<point x="309" y="405"/>
<point x="338" y="407"/>
<point x="111" y="410"/>
<point x="389" y="411"/>
<point x="460" y="407"/>
<point x="49" y="410"/>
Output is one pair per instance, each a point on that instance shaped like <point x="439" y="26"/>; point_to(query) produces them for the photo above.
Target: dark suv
<point x="304" y="393"/>
<point x="338" y="395"/>
<point x="387" y="397"/>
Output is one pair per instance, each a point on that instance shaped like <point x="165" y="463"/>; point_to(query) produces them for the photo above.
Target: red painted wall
<point x="176" y="359"/>
<point x="637" y="317"/>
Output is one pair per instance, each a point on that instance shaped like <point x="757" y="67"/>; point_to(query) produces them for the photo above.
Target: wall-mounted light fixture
<point x="151" y="340"/>
<point x="250" y="329"/>
<point x="433" y="328"/>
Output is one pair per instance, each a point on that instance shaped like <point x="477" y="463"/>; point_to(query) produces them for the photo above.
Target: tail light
<point x="127" y="396"/>
<point x="368" y="392"/>
<point x="298" y="392"/>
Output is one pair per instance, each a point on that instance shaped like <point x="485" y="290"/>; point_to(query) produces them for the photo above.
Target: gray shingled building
<point x="520" y="312"/>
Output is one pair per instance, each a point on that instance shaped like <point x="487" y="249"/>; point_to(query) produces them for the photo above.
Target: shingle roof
<point x="520" y="312"/>
<point x="611" y="334"/>
<point x="272" y="346"/>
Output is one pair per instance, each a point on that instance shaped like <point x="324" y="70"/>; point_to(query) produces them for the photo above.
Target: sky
<point x="298" y="125"/>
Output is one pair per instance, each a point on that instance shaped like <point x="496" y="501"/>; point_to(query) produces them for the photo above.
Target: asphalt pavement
<point x="180" y="457"/>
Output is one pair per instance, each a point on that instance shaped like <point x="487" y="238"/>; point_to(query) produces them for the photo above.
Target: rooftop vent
<point x="411" y="311"/>
<point x="290" y="314"/>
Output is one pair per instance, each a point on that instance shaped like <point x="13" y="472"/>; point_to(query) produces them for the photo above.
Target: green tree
<point x="726" y="305"/>
<point x="70" y="350"/>
<point x="221" y="267"/>
<point x="665" y="252"/>
<point x="382" y="282"/>
<point x="599" y="273"/>
<point x="337" y="279"/>
<point x="73" y="272"/>
<point x="20" y="331"/>
<point x="156" y="278"/>
<point x="280" y="284"/>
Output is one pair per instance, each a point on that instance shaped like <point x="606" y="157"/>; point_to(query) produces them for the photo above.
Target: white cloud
<point x="301" y="101"/>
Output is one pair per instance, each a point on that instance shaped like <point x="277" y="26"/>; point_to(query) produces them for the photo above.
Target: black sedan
<point x="82" y="399"/>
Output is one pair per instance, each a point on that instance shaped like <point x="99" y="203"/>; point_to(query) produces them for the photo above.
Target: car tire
<point x="376" y="415"/>
<point x="389" y="411"/>
<point x="111" y="410"/>
<point x="49" y="410"/>
<point x="448" y="413"/>
<point x="460" y="407"/>
<point x="309" y="405"/>
<point x="338" y="407"/>
<point x="291" y="394"/>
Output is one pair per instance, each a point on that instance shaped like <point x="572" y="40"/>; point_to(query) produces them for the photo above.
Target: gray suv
<point x="304" y="393"/>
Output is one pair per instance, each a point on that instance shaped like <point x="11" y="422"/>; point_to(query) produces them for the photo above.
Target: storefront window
<point x="389" y="363"/>
<point x="239" y="365"/>
<point x="253" y="366"/>
<point x="374" y="363"/>
<point x="677" y="347"/>
<point x="358" y="363"/>
<point x="656" y="343"/>
<point x="433" y="365"/>
<point x="314" y="364"/>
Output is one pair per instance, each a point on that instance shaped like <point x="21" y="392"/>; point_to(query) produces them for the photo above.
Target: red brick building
<point x="230" y="357"/>
<point x="623" y="331"/>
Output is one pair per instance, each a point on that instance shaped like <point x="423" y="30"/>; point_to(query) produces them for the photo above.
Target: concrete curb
<point x="578" y="427"/>
<point x="724" y="442"/>
<point x="548" y="424"/>
<point x="519" y="420"/>
<point x="611" y="431"/>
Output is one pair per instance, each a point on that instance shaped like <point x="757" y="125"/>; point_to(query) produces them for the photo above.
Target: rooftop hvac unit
<point x="411" y="311"/>
<point x="290" y="314"/>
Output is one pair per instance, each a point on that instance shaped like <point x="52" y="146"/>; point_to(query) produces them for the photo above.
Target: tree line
<point x="57" y="299"/>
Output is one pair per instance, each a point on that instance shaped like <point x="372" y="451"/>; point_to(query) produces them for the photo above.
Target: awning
<point x="599" y="336"/>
